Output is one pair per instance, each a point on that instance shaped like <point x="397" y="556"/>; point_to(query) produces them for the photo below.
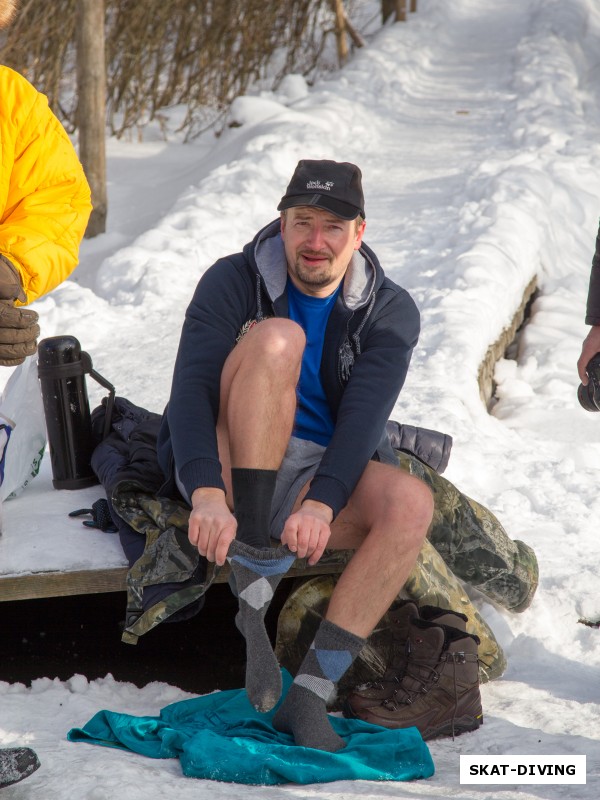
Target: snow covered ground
<point x="477" y="127"/>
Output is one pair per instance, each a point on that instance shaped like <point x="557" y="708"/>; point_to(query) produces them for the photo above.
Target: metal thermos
<point x="62" y="367"/>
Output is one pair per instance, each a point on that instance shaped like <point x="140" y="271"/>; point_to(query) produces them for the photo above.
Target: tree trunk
<point x="357" y="39"/>
<point x="340" y="31"/>
<point x="91" y="107"/>
<point x="395" y="7"/>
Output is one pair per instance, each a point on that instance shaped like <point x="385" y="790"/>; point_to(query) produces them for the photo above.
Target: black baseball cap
<point x="331" y="185"/>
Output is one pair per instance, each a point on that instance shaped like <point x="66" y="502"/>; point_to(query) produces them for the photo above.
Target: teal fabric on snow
<point x="221" y="737"/>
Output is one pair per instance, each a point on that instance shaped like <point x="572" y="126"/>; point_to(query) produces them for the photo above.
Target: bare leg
<point x="258" y="397"/>
<point x="385" y="521"/>
<point x="256" y="416"/>
<point x="258" y="403"/>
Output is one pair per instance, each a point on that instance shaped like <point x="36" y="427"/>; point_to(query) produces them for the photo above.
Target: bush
<point x="160" y="53"/>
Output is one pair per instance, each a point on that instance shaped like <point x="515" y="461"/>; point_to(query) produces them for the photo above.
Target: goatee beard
<point x="318" y="277"/>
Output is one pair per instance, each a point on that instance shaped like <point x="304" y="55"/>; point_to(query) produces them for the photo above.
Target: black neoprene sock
<point x="252" y="495"/>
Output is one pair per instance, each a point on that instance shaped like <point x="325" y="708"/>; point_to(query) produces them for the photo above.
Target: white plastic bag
<point x="22" y="409"/>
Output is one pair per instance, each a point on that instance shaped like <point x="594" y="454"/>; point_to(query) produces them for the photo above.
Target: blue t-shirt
<point x="313" y="417"/>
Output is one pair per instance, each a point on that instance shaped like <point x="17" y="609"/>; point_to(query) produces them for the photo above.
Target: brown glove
<point x="10" y="281"/>
<point x="19" y="327"/>
<point x="19" y="331"/>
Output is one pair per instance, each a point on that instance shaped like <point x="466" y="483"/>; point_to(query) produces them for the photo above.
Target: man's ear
<point x="359" y="234"/>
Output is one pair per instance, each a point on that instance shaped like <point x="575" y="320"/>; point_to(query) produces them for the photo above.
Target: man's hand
<point x="307" y="531"/>
<point x="212" y="526"/>
<point x="591" y="346"/>
<point x="19" y="331"/>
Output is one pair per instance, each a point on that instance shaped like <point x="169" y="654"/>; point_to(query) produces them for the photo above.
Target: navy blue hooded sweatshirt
<point x="371" y="333"/>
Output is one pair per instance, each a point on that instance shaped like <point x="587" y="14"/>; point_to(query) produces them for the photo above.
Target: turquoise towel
<point x="221" y="737"/>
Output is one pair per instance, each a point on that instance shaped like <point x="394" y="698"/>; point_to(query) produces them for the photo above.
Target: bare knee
<point x="280" y="342"/>
<point x="408" y="509"/>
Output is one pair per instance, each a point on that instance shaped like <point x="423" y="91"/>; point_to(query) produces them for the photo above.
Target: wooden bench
<point x="45" y="553"/>
<point x="62" y="583"/>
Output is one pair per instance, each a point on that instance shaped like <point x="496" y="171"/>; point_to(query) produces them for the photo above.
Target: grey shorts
<point x="299" y="464"/>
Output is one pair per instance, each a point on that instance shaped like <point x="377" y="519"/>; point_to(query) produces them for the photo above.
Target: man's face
<point x="318" y="247"/>
<point x="7" y="9"/>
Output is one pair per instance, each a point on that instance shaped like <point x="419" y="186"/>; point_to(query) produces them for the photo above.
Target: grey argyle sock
<point x="303" y="713"/>
<point x="257" y="575"/>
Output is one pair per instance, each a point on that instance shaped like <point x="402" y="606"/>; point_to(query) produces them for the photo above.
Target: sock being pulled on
<point x="303" y="712"/>
<point x="257" y="574"/>
<point x="253" y="491"/>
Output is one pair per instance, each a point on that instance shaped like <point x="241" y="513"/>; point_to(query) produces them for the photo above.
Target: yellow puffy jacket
<point x="44" y="195"/>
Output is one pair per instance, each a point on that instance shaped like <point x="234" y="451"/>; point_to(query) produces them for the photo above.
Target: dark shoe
<point x="439" y="693"/>
<point x="16" y="763"/>
<point x="433" y="583"/>
<point x="375" y="692"/>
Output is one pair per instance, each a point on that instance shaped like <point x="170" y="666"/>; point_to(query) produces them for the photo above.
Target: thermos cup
<point x="62" y="367"/>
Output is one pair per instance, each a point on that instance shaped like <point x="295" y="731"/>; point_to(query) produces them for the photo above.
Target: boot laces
<point x="393" y="674"/>
<point x="458" y="657"/>
<point x="380" y="684"/>
<point x="404" y="695"/>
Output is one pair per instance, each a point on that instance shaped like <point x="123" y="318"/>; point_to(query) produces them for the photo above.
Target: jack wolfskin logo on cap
<point x="318" y="186"/>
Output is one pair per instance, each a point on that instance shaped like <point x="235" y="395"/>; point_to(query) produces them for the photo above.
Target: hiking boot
<point x="432" y="583"/>
<point x="375" y="692"/>
<point x="439" y="693"/>
<point x="16" y="763"/>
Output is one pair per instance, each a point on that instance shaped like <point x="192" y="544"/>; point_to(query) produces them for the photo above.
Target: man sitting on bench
<point x="291" y="358"/>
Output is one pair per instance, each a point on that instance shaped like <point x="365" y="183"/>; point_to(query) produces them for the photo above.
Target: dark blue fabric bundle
<point x="221" y="737"/>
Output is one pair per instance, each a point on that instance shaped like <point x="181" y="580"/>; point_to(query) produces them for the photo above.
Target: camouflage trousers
<point x="474" y="545"/>
<point x="168" y="558"/>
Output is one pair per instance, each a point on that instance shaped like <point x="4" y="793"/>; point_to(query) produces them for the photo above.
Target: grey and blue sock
<point x="257" y="574"/>
<point x="303" y="712"/>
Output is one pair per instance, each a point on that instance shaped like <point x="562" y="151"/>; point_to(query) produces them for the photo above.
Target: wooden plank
<point x="38" y="585"/>
<point x="61" y="584"/>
